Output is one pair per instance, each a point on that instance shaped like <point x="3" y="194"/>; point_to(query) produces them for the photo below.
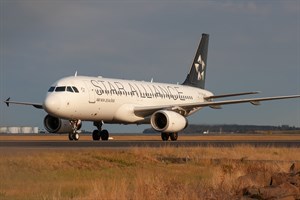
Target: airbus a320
<point x="72" y="100"/>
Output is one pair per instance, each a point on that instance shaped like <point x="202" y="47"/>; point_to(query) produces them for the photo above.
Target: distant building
<point x="19" y="129"/>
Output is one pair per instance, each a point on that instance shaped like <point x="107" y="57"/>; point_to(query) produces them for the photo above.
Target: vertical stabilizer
<point x="197" y="74"/>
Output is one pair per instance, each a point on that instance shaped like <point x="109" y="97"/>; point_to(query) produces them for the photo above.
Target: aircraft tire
<point x="165" y="136"/>
<point x="174" y="136"/>
<point x="76" y="136"/>
<point x="96" y="135"/>
<point x="71" y="136"/>
<point x="104" y="134"/>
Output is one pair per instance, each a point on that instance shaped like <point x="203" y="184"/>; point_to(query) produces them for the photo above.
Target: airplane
<point x="72" y="100"/>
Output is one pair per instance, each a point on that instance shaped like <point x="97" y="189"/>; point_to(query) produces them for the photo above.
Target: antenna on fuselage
<point x="75" y="74"/>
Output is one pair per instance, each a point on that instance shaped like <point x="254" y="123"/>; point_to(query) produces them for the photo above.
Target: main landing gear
<point x="99" y="133"/>
<point x="166" y="136"/>
<point x="74" y="135"/>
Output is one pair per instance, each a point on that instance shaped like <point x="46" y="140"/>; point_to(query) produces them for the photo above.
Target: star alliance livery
<point x="72" y="100"/>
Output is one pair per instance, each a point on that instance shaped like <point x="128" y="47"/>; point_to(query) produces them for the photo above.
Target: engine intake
<point x="57" y="125"/>
<point x="168" y="121"/>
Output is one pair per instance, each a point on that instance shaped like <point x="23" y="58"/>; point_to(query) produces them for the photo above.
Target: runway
<point x="131" y="144"/>
<point x="123" y="141"/>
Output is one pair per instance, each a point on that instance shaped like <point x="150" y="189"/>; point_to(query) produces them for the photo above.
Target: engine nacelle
<point x="168" y="121"/>
<point x="56" y="125"/>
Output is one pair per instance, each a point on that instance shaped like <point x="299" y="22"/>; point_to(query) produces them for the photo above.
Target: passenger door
<point x="91" y="91"/>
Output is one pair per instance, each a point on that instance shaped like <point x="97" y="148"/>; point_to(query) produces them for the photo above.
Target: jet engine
<point x="168" y="121"/>
<point x="56" y="125"/>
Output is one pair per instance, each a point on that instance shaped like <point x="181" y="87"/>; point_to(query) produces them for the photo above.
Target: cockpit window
<point x="75" y="89"/>
<point x="51" y="89"/>
<point x="63" y="89"/>
<point x="69" y="89"/>
<point x="60" y="89"/>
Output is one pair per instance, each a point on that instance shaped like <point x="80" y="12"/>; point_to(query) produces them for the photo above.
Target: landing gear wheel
<point x="174" y="136"/>
<point x="96" y="135"/>
<point x="165" y="136"/>
<point x="99" y="133"/>
<point x="71" y="136"/>
<point x="104" y="135"/>
<point x="74" y="136"/>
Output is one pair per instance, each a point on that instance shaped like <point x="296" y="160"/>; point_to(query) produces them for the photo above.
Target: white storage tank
<point x="20" y="130"/>
<point x="26" y="129"/>
<point x="3" y="129"/>
<point x="13" y="129"/>
<point x="35" y="129"/>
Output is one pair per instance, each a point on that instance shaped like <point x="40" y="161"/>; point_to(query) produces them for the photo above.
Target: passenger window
<point x="60" y="89"/>
<point x="51" y="89"/>
<point x="69" y="89"/>
<point x="75" y="89"/>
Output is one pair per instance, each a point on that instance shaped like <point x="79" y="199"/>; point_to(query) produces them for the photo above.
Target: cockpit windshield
<point x="60" y="89"/>
<point x="51" y="89"/>
<point x="75" y="89"/>
<point x="63" y="89"/>
<point x="69" y="89"/>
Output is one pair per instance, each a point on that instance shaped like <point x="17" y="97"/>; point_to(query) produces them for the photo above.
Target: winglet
<point x="36" y="105"/>
<point x="7" y="101"/>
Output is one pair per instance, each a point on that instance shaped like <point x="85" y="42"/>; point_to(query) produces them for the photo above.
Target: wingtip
<point x="7" y="101"/>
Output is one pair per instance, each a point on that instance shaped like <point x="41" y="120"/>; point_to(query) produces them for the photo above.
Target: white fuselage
<point x="114" y="100"/>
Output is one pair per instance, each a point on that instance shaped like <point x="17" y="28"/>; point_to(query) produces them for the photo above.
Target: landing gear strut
<point x="99" y="133"/>
<point x="74" y="135"/>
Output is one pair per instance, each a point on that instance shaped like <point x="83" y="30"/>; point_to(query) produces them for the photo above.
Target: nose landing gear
<point x="74" y="135"/>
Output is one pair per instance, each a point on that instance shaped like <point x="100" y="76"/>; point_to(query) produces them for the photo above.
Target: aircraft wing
<point x="148" y="110"/>
<point x="36" y="105"/>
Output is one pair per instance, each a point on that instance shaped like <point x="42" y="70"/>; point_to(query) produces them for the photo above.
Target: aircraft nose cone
<point x="52" y="104"/>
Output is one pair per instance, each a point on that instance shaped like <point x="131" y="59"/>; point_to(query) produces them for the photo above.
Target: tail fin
<point x="197" y="75"/>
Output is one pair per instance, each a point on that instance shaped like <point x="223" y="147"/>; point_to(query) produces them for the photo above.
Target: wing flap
<point x="215" y="106"/>
<point x="255" y="103"/>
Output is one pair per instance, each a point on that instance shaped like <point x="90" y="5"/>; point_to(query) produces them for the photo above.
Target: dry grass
<point x="138" y="173"/>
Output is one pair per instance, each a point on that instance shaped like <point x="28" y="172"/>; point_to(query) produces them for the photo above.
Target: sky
<point x="254" y="46"/>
